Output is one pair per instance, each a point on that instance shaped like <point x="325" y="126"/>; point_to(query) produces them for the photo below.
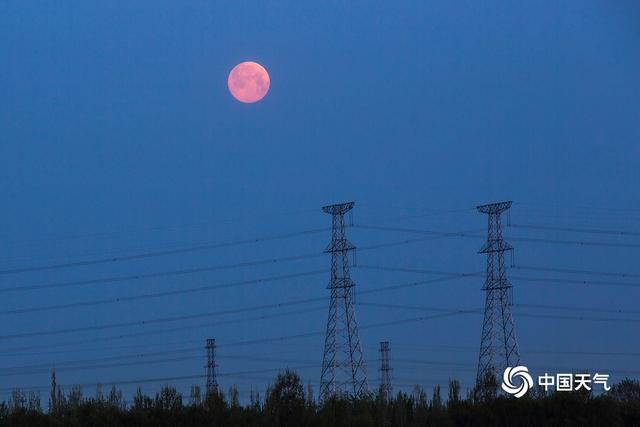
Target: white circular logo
<point x="526" y="382"/>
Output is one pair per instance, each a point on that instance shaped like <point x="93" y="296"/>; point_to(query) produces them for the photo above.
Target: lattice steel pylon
<point x="343" y="366"/>
<point x="385" y="371"/>
<point x="498" y="345"/>
<point x="212" y="376"/>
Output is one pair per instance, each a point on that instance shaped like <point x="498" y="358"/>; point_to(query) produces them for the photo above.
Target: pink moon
<point x="248" y="82"/>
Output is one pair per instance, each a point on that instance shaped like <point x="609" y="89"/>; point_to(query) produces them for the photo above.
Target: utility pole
<point x="212" y="377"/>
<point x="343" y="366"/>
<point x="385" y="371"/>
<point x="498" y="345"/>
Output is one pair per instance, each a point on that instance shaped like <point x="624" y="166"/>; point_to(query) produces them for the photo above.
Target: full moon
<point x="248" y="82"/>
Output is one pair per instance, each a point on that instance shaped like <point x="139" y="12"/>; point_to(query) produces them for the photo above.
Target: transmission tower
<point x="498" y="345"/>
<point x="212" y="376"/>
<point x="343" y="366"/>
<point x="385" y="371"/>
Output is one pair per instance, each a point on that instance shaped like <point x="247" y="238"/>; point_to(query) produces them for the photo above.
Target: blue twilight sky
<point x="118" y="137"/>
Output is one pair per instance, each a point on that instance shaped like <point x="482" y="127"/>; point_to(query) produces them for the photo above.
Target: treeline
<point x="289" y="403"/>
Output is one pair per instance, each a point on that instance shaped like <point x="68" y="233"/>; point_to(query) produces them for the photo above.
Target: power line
<point x="442" y="347"/>
<point x="136" y="356"/>
<point x="576" y="230"/>
<point x="155" y="275"/>
<point x="522" y="278"/>
<point x="436" y="234"/>
<point x="237" y="343"/>
<point x="433" y="235"/>
<point x="415" y="270"/>
<point x="304" y="335"/>
<point x="452" y="276"/>
<point x="208" y="314"/>
<point x="589" y="208"/>
<point x="592" y="353"/>
<point x="133" y="230"/>
<point x="145" y="229"/>
<point x="142" y="359"/>
<point x="68" y="363"/>
<point x="545" y="280"/>
<point x="469" y="367"/>
<point x="64" y="366"/>
<point x="577" y="242"/>
<point x="474" y="311"/>
<point x="22" y="350"/>
<point x="418" y="319"/>
<point x="579" y="318"/>
<point x="174" y="292"/>
<point x="574" y="271"/>
<point x="99" y="366"/>
<point x="219" y="286"/>
<point x="138" y="359"/>
<point x="420" y="308"/>
<point x="320" y="333"/>
<point x="573" y="308"/>
<point x="434" y="362"/>
<point x="245" y="309"/>
<point x="187" y="317"/>
<point x="117" y="325"/>
<point x="539" y="306"/>
<point x="197" y="248"/>
<point x="514" y="238"/>
<point x="152" y="254"/>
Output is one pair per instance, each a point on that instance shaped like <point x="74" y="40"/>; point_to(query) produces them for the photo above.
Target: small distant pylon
<point x="385" y="371"/>
<point x="212" y="376"/>
<point x="343" y="366"/>
<point x="498" y="345"/>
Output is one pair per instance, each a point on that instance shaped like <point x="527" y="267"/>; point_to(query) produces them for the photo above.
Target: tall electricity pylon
<point x="498" y="345"/>
<point x="343" y="367"/>
<point x="212" y="377"/>
<point x="385" y="371"/>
